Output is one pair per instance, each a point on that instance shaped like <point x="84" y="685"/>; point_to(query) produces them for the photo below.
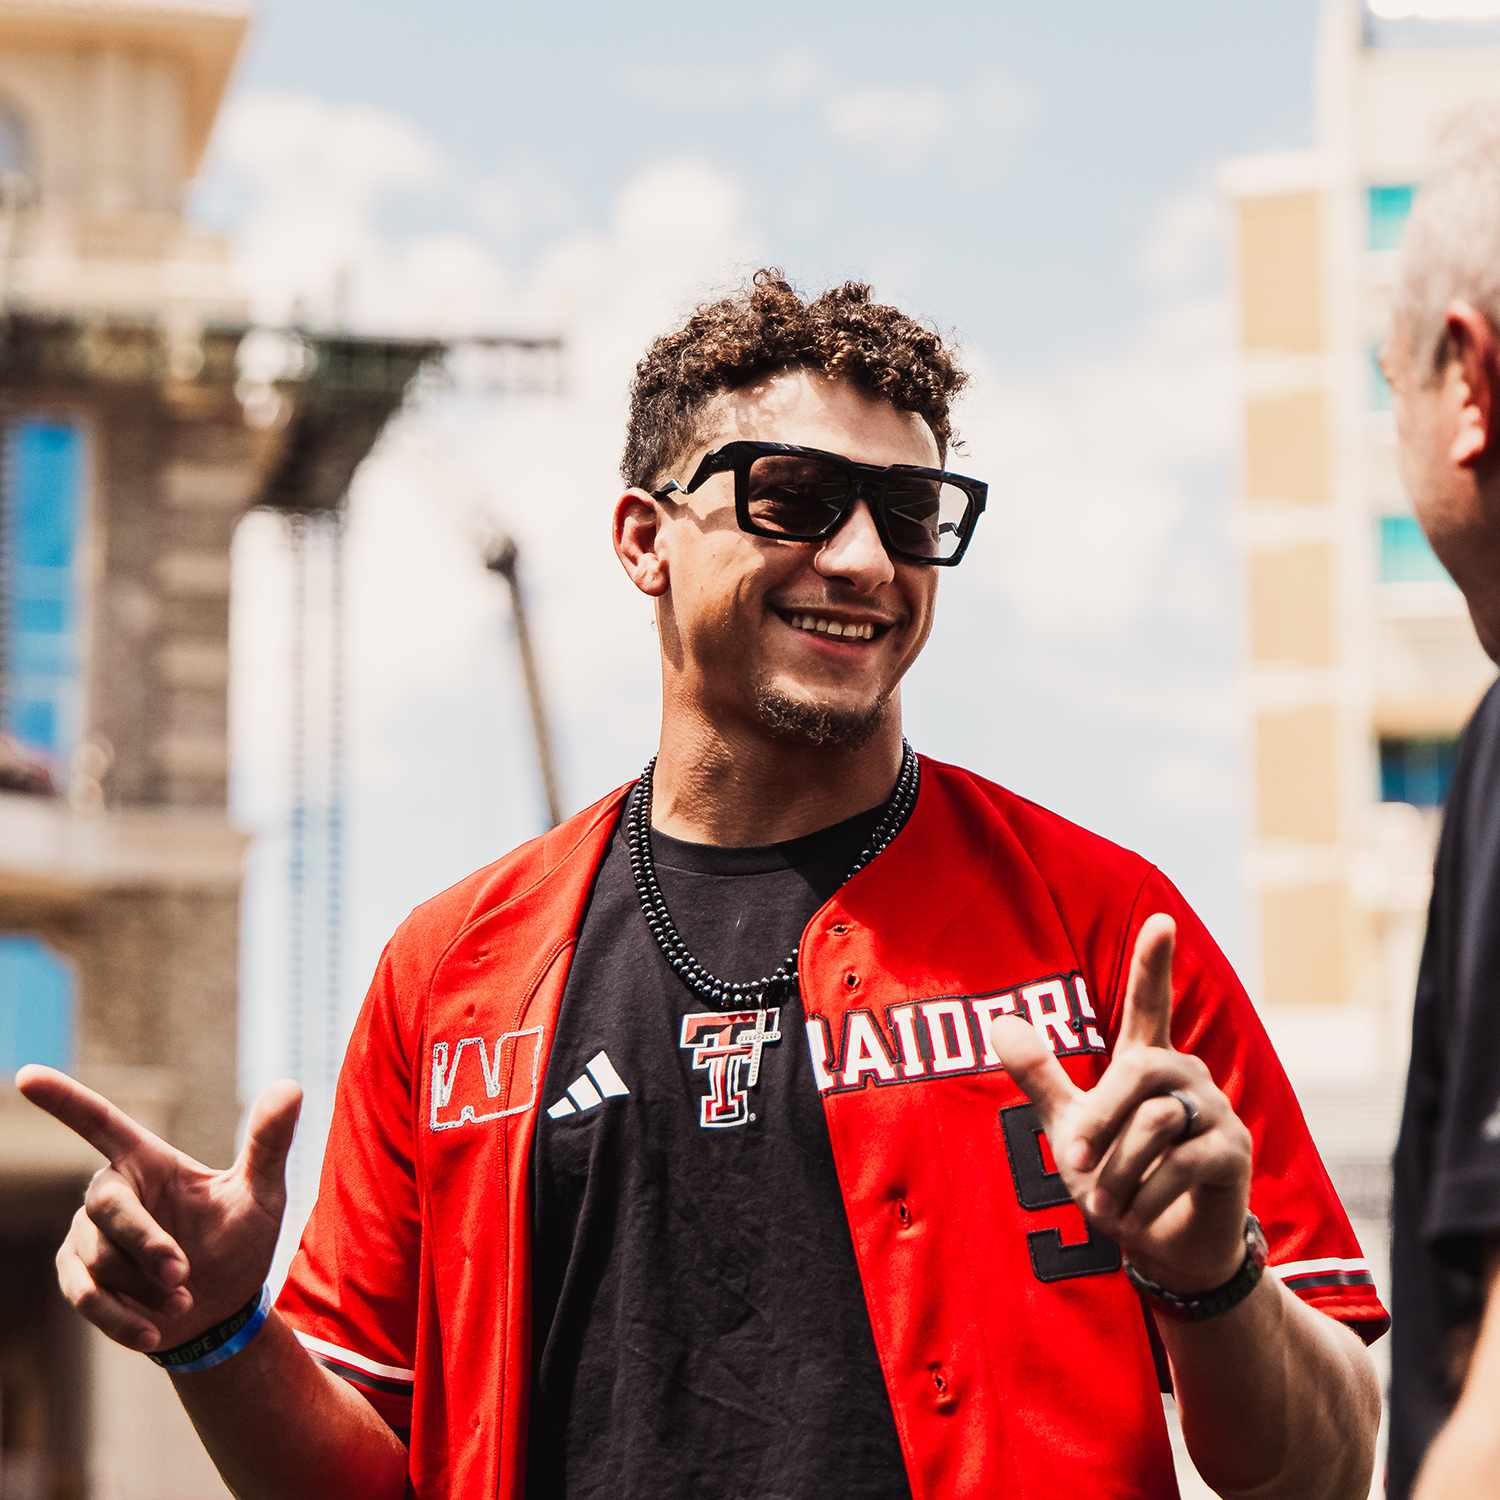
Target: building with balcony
<point x="133" y="438"/>
<point x="1361" y="663"/>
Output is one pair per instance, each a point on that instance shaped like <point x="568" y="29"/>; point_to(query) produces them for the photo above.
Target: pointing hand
<point x="164" y="1247"/>
<point x="1169" y="1185"/>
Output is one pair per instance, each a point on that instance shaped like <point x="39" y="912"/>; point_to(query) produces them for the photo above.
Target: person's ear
<point x="1474" y="361"/>
<point x="637" y="534"/>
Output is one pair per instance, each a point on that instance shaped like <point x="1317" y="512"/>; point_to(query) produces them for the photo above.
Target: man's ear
<point x="1474" y="358"/>
<point x="637" y="531"/>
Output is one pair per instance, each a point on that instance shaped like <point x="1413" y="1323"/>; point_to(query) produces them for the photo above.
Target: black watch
<point x="1211" y="1304"/>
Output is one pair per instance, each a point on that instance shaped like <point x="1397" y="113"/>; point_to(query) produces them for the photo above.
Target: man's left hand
<point x="1170" y="1185"/>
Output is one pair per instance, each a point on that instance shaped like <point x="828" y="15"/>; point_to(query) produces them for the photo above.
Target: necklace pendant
<point x="759" y="1038"/>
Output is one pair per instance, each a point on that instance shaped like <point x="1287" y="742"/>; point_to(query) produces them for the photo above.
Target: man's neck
<point x="743" y="790"/>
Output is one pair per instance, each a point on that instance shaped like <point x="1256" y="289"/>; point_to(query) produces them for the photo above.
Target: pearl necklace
<point x="783" y="979"/>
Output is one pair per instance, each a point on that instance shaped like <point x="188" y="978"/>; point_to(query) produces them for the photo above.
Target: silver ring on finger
<point x="1192" y="1120"/>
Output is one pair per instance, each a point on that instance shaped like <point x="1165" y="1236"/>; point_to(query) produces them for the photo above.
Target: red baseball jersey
<point x="1015" y="1353"/>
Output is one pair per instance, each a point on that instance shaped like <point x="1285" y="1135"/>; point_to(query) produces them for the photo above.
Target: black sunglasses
<point x="793" y="494"/>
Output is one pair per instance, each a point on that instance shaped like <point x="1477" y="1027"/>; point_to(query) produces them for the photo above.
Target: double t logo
<point x="728" y="1044"/>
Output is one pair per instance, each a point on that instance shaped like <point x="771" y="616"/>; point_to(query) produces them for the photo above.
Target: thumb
<point x="1033" y="1065"/>
<point x="268" y="1139"/>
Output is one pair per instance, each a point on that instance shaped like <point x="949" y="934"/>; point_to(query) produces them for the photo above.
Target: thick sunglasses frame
<point x="867" y="481"/>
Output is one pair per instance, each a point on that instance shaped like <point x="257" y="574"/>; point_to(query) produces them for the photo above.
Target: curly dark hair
<point x="764" y="329"/>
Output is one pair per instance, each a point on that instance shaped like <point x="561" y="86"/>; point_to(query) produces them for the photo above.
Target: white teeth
<point x="815" y="623"/>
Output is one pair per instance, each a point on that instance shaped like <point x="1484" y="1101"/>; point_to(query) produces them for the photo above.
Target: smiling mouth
<point x="844" y="630"/>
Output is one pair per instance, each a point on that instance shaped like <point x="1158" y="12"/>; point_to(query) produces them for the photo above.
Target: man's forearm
<point x="279" y="1426"/>
<point x="1276" y="1399"/>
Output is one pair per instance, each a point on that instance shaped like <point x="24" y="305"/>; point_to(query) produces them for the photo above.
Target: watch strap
<point x="1198" y="1307"/>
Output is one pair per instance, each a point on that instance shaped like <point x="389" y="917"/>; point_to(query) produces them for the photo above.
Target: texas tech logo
<point x="727" y="1045"/>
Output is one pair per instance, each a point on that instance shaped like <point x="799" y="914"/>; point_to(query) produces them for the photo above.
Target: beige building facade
<point x="1361" y="666"/>
<point x="128" y="462"/>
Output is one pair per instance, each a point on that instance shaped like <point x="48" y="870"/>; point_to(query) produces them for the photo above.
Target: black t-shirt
<point x="699" y="1324"/>
<point x="1447" y="1189"/>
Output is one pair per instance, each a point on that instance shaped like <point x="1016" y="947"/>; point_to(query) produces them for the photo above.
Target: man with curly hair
<point x="805" y="1118"/>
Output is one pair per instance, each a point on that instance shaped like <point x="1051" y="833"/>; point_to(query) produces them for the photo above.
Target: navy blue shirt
<point x="1447" y="1189"/>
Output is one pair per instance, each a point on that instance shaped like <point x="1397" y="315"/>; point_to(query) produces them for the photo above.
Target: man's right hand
<point x="164" y="1248"/>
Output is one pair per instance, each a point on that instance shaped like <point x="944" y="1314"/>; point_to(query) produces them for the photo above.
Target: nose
<point x="856" y="553"/>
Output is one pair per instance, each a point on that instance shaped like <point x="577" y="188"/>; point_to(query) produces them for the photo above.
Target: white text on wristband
<point x="219" y="1343"/>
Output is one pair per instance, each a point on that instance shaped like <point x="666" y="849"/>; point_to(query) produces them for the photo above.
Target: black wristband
<point x="211" y="1340"/>
<point x="1214" y="1303"/>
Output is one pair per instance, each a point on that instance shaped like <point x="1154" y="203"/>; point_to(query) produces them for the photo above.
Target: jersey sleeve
<point x="1313" y="1248"/>
<point x="351" y="1294"/>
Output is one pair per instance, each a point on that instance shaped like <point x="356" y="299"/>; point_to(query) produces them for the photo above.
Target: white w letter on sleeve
<point x="463" y="1088"/>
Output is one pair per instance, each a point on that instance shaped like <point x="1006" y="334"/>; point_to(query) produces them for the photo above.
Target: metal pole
<point x="296" y="1017"/>
<point x="501" y="558"/>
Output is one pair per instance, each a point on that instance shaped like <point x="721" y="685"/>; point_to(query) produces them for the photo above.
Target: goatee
<point x="790" y="718"/>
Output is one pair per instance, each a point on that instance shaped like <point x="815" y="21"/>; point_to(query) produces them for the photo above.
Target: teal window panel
<point x="35" y="721"/>
<point x="41" y="617"/>
<point x="44" y="506"/>
<point x="48" y="463"/>
<point x="43" y="661"/>
<point x="1388" y="208"/>
<point x="1418" y="771"/>
<point x="36" y="1005"/>
<point x="1405" y="556"/>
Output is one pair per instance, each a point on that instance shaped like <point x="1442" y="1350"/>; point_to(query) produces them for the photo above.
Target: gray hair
<point x="1451" y="248"/>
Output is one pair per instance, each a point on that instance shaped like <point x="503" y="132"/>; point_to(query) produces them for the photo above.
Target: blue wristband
<point x="219" y="1343"/>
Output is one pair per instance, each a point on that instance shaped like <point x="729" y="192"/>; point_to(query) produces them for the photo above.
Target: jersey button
<point x="903" y="1213"/>
<point x="942" y="1386"/>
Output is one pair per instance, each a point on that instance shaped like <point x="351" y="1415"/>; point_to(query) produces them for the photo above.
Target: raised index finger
<point x="106" y="1128"/>
<point x="1146" y="1016"/>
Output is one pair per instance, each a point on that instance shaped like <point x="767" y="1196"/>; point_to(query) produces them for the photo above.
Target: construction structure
<point x="140" y="418"/>
<point x="1362" y="665"/>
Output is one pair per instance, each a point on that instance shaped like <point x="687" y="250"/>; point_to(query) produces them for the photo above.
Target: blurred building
<point x="134" y="434"/>
<point x="1362" y="665"/>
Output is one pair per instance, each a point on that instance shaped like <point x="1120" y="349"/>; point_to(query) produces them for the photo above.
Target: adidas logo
<point x="594" y="1085"/>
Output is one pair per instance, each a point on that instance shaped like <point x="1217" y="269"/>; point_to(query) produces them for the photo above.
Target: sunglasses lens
<point x="796" y="496"/>
<point x="925" y="517"/>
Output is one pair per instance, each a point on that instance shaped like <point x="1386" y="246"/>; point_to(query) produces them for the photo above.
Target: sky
<point x="1038" y="182"/>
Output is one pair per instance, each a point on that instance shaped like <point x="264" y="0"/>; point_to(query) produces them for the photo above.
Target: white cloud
<point x="1188" y="241"/>
<point x="779" y="78"/>
<point x="312" y="249"/>
<point x="524" y="197"/>
<point x="1095" y="464"/>
<point x="793" y="74"/>
<point x="303" y="148"/>
<point x="1000" y="104"/>
<point x="902" y="125"/>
